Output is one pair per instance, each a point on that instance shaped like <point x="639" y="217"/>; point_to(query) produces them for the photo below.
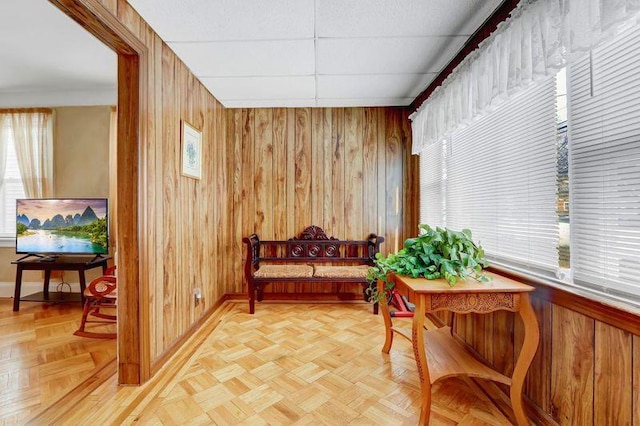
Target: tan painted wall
<point x="81" y="169"/>
<point x="81" y="151"/>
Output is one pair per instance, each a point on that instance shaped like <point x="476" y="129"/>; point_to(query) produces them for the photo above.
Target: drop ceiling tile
<point x="366" y="102"/>
<point x="367" y="18"/>
<point x="237" y="88"/>
<point x="372" y="86"/>
<point x="248" y="58"/>
<point x="269" y="103"/>
<point x="210" y="20"/>
<point x="386" y="55"/>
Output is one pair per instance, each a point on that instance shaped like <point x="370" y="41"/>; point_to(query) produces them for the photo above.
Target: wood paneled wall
<point x="271" y="171"/>
<point x="348" y="170"/>
<point x="586" y="370"/>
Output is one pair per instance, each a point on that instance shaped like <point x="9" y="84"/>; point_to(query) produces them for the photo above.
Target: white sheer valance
<point x="539" y="38"/>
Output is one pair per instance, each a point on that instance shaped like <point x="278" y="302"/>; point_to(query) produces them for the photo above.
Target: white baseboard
<point x="8" y="288"/>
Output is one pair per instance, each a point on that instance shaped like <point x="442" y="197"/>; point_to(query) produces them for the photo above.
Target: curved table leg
<point x="528" y="351"/>
<point x="388" y="325"/>
<point x="417" y="340"/>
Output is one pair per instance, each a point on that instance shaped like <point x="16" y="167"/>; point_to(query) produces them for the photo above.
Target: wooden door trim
<point x="134" y="353"/>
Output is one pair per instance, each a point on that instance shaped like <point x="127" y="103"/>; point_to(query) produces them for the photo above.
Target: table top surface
<point x="498" y="284"/>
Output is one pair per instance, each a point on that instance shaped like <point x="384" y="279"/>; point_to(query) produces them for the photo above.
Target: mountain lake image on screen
<point x="62" y="226"/>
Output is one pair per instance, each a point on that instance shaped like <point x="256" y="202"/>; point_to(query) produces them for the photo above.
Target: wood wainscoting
<point x="587" y="368"/>
<point x="270" y="171"/>
<point x="348" y="170"/>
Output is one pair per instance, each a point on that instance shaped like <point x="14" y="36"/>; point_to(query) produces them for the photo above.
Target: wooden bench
<point x="310" y="257"/>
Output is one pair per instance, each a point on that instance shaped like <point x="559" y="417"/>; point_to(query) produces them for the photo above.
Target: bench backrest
<point x="312" y="245"/>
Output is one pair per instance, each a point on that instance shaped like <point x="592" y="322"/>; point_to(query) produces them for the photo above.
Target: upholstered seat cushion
<point x="359" y="271"/>
<point x="284" y="271"/>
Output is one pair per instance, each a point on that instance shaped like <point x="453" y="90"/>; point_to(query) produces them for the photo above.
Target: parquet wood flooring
<point x="40" y="358"/>
<point x="302" y="364"/>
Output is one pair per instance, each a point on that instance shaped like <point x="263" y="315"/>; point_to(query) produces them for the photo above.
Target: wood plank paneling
<point x="302" y="162"/>
<point x="321" y="167"/>
<point x="613" y="374"/>
<point x="636" y="381"/>
<point x="263" y="175"/>
<point x="585" y="371"/>
<point x="394" y="185"/>
<point x="572" y="368"/>
<point x="270" y="171"/>
<point x="354" y="152"/>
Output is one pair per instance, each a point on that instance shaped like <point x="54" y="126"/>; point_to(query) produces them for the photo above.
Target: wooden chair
<point x="101" y="293"/>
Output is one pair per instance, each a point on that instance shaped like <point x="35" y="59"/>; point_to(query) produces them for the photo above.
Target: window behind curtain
<point x="10" y="191"/>
<point x="432" y="185"/>
<point x="604" y="129"/>
<point x="500" y="180"/>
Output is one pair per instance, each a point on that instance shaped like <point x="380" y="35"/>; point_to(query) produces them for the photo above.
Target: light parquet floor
<point x="41" y="359"/>
<point x="302" y="364"/>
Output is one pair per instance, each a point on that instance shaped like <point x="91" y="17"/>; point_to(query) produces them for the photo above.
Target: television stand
<point x="28" y="255"/>
<point x="48" y="264"/>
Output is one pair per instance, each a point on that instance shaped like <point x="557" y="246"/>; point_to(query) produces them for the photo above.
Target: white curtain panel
<point x="537" y="40"/>
<point x="33" y="139"/>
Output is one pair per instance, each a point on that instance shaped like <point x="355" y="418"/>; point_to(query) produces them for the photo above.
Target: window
<point x="604" y="153"/>
<point x="11" y="188"/>
<point x="553" y="190"/>
<point x="497" y="177"/>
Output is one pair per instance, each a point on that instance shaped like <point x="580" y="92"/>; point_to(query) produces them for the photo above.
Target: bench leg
<point x="252" y="299"/>
<point x="260" y="288"/>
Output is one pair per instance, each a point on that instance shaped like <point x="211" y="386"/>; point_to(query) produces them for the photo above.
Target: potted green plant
<point x="435" y="253"/>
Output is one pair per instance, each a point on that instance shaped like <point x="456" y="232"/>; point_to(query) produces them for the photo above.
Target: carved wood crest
<point x="313" y="233"/>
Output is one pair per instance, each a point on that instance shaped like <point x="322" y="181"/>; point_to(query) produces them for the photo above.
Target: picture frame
<point x="191" y="139"/>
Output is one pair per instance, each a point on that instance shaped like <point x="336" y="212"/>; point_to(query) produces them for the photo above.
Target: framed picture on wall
<point x="191" y="151"/>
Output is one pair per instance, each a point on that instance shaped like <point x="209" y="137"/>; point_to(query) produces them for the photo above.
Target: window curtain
<point x="537" y="40"/>
<point x="33" y="139"/>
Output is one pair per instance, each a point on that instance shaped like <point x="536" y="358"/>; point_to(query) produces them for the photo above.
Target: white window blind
<point x="604" y="123"/>
<point x="501" y="180"/>
<point x="432" y="172"/>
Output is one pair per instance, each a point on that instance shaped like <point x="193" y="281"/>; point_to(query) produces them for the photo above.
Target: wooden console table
<point x="439" y="355"/>
<point x="61" y="263"/>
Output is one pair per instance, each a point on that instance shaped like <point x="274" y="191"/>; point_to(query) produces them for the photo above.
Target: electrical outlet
<point x="197" y="295"/>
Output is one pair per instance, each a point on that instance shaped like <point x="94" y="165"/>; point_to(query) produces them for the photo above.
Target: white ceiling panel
<point x="362" y="86"/>
<point x="216" y="20"/>
<point x="242" y="58"/>
<point x="235" y="88"/>
<point x="407" y="18"/>
<point x="386" y="55"/>
<point x="254" y="52"/>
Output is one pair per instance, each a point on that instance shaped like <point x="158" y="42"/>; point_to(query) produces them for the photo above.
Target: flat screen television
<point x="56" y="226"/>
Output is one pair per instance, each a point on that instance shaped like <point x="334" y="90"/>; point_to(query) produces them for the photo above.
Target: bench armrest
<point x="253" y="254"/>
<point x="374" y="245"/>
